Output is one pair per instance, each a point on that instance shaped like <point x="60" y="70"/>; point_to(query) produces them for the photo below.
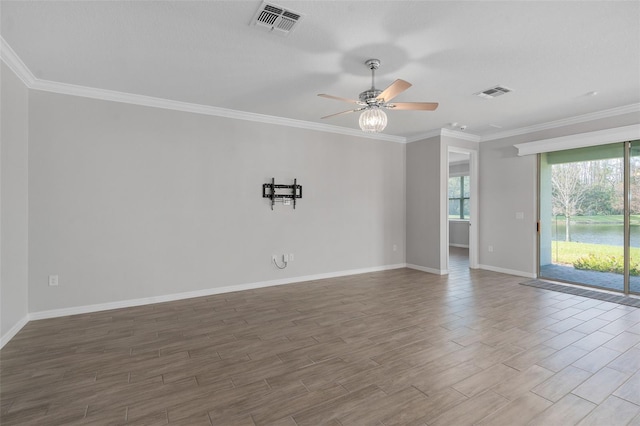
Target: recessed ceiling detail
<point x="276" y="19"/>
<point x="493" y="92"/>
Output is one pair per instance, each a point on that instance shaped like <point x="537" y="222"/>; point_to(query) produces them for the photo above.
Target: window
<point x="459" y="197"/>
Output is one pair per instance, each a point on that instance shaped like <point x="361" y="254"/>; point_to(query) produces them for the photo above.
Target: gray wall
<point x="459" y="233"/>
<point x="423" y="205"/>
<point x="508" y="185"/>
<point x="13" y="200"/>
<point x="130" y="202"/>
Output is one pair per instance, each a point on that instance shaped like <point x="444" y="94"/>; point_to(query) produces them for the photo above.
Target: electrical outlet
<point x="490" y="248"/>
<point x="395" y="247"/>
<point x="285" y="258"/>
<point x="290" y="257"/>
<point x="53" y="280"/>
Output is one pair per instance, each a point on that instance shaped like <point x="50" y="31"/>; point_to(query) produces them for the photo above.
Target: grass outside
<point x="634" y="219"/>
<point x="595" y="257"/>
<point x="568" y="252"/>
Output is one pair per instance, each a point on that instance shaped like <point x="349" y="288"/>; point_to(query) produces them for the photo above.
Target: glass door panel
<point x="582" y="216"/>
<point x="634" y="218"/>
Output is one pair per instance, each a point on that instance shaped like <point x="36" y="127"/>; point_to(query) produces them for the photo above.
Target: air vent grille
<point x="493" y="92"/>
<point x="276" y="19"/>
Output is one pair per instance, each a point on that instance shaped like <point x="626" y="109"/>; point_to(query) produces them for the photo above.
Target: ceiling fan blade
<point x="337" y="98"/>
<point x="393" y="90"/>
<point x="418" y="106"/>
<point x="343" y="112"/>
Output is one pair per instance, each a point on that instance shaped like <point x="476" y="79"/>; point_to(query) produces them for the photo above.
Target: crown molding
<point x="129" y="98"/>
<point x="581" y="140"/>
<point x="422" y="136"/>
<point x="13" y="61"/>
<point x="612" y="112"/>
<point x="445" y="132"/>
<point x="460" y="135"/>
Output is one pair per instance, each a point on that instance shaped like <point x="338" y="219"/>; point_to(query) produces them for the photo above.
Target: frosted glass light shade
<point x="373" y="120"/>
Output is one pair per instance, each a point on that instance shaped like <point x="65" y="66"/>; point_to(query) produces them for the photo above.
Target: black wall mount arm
<point x="281" y="192"/>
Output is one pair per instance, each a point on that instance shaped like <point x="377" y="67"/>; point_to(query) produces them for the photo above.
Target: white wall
<point x="508" y="185"/>
<point x="130" y="202"/>
<point x="13" y="203"/>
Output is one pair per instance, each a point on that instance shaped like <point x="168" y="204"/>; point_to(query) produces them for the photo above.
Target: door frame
<point x="473" y="207"/>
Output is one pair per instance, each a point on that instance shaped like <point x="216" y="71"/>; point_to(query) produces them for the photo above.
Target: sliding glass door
<point x="590" y="216"/>
<point x="634" y="217"/>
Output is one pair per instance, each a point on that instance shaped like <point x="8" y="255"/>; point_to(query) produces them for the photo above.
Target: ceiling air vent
<point x="493" y="92"/>
<point x="276" y="19"/>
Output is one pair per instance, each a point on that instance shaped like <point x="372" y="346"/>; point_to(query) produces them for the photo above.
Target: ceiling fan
<point x="373" y="101"/>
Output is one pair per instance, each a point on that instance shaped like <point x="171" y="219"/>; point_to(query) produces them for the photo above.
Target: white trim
<point x="445" y="132"/>
<point x="580" y="140"/>
<point x="199" y="293"/>
<point x="13" y="61"/>
<point x="460" y="135"/>
<point x="459" y="245"/>
<point x="422" y="136"/>
<point x="8" y="56"/>
<point x="429" y="270"/>
<point x="474" y="208"/>
<point x="507" y="271"/>
<point x="128" y="98"/>
<point x="612" y="112"/>
<point x="13" y="331"/>
<point x="444" y="205"/>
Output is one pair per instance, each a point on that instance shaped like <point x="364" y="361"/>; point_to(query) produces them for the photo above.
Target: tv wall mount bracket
<point x="282" y="193"/>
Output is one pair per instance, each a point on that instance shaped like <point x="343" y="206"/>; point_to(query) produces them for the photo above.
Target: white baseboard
<point x="14" y="330"/>
<point x="507" y="271"/>
<point x="429" y="270"/>
<point x="459" y="245"/>
<point x="54" y="313"/>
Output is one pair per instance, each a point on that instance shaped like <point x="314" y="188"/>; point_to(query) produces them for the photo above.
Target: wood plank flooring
<point x="386" y="348"/>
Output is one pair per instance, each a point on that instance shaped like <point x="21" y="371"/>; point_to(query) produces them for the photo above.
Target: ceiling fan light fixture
<point x="373" y="120"/>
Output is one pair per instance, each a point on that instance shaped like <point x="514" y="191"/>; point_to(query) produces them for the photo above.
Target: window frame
<point x="460" y="199"/>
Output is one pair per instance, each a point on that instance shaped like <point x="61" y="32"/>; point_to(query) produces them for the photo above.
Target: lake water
<point x="607" y="234"/>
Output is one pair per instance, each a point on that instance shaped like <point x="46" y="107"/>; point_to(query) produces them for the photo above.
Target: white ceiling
<point x="550" y="53"/>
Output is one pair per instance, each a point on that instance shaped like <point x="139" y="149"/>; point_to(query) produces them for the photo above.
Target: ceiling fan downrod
<point x="369" y="96"/>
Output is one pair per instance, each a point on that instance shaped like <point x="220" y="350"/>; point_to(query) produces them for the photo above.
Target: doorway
<point x="589" y="215"/>
<point x="461" y="209"/>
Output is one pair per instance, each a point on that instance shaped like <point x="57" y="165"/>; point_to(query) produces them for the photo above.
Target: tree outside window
<point x="459" y="197"/>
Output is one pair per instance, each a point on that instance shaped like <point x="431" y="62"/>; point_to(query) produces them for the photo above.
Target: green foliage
<point x="567" y="253"/>
<point x="599" y="200"/>
<point x="609" y="263"/>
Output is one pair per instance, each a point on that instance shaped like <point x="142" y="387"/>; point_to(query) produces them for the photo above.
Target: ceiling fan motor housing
<point x="369" y="96"/>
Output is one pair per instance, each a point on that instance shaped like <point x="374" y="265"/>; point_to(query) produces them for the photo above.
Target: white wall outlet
<point x="490" y="248"/>
<point x="291" y="257"/>
<point x="395" y="247"/>
<point x="285" y="258"/>
<point x="519" y="215"/>
<point x="53" y="280"/>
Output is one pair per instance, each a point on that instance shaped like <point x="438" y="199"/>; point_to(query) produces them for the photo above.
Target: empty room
<point x="320" y="213"/>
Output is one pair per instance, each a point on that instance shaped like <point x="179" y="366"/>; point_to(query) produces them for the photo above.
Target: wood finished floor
<point x="393" y="347"/>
